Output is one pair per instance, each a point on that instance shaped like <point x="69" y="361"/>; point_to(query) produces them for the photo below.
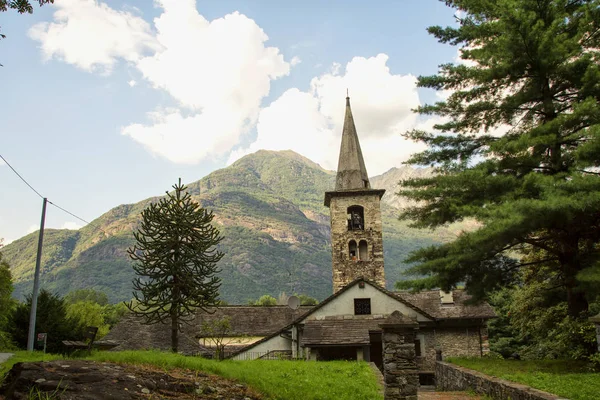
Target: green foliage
<point x="534" y="190"/>
<point x="7" y="304"/>
<point x="503" y="336"/>
<point x="175" y="260"/>
<point x="307" y="300"/>
<point x="88" y="307"/>
<point x="90" y="295"/>
<point x="285" y="380"/>
<point x="265" y="301"/>
<point x="533" y="322"/>
<point x="51" y="319"/>
<point x="217" y="330"/>
<point x="565" y="378"/>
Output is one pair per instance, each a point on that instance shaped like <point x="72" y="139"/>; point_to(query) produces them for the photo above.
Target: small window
<point x="352" y="250"/>
<point x="363" y="252"/>
<point x="417" y="347"/>
<point x="362" y="306"/>
<point x="356" y="218"/>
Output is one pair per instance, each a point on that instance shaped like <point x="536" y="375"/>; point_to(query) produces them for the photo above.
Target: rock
<point x="89" y="380"/>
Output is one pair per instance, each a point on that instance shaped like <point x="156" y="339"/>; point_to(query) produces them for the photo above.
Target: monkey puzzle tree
<point x="175" y="258"/>
<point x="532" y="66"/>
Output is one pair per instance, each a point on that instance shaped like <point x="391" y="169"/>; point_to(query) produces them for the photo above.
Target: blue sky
<point x="109" y="102"/>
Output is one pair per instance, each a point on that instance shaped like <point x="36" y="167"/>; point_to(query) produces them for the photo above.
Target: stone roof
<point x="253" y="320"/>
<point x="429" y="301"/>
<point x="351" y="171"/>
<point x="338" y="331"/>
<point x="132" y="334"/>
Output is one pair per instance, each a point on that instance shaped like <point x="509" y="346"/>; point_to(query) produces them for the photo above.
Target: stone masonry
<point x="346" y="270"/>
<point x="352" y="188"/>
<point x="450" y="377"/>
<point x="400" y="372"/>
<point x="452" y="341"/>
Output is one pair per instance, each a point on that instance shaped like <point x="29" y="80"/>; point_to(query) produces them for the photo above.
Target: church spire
<point x="351" y="172"/>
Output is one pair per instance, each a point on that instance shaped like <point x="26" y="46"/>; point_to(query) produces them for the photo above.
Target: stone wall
<point x="453" y="341"/>
<point x="450" y="377"/>
<point x="346" y="270"/>
<point x="399" y="365"/>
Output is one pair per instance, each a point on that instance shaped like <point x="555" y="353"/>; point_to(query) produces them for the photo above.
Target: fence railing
<point x="266" y="355"/>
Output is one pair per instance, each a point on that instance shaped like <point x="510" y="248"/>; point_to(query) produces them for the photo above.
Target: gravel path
<point x="5" y="356"/>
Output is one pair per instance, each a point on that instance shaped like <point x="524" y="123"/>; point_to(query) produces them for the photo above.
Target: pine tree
<point x="534" y="66"/>
<point x="175" y="258"/>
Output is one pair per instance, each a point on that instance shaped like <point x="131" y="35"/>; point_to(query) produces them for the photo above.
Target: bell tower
<point x="356" y="231"/>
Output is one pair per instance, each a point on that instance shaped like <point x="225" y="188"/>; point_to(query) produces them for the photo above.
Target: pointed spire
<point x="351" y="172"/>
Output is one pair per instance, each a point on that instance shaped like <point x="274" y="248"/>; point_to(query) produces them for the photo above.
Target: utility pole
<point x="36" y="281"/>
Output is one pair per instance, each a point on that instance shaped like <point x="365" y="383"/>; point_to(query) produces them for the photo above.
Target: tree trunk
<point x="577" y="302"/>
<point x="174" y="329"/>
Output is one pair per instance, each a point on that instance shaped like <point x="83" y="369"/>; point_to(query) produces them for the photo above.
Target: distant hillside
<point x="269" y="207"/>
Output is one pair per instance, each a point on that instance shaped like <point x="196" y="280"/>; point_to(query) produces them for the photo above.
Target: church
<point x="346" y="325"/>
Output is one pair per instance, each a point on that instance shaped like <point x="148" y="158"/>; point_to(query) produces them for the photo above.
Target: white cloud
<point x="294" y="121"/>
<point x="71" y="225"/>
<point x="188" y="139"/>
<point x="92" y="36"/>
<point x="311" y="122"/>
<point x="132" y="83"/>
<point x="219" y="70"/>
<point x="295" y="61"/>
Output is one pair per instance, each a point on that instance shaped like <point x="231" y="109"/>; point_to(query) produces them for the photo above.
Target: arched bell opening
<point x="363" y="250"/>
<point x="356" y="218"/>
<point x="353" y="250"/>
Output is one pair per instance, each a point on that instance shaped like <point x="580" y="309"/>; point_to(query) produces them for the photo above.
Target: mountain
<point x="268" y="206"/>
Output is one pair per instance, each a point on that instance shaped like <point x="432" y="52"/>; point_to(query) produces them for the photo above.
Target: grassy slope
<point x="285" y="380"/>
<point x="569" y="379"/>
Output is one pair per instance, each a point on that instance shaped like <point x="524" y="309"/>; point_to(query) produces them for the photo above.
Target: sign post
<point x="41" y="340"/>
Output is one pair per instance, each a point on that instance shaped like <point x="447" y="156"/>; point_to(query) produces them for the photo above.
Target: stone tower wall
<point x="346" y="270"/>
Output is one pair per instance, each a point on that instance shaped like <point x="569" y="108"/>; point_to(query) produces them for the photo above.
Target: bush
<point x="51" y="319"/>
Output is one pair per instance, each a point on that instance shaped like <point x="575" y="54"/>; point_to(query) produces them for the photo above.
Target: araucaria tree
<point x="517" y="149"/>
<point x="175" y="258"/>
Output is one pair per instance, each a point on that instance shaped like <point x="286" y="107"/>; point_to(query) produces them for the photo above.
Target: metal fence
<point x="268" y="355"/>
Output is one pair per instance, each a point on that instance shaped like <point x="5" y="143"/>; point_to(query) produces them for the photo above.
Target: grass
<point x="568" y="379"/>
<point x="281" y="380"/>
<point x="285" y="380"/>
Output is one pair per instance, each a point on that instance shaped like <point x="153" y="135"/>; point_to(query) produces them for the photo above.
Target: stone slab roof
<point x="429" y="301"/>
<point x="252" y="320"/>
<point x="335" y="331"/>
<point x="132" y="334"/>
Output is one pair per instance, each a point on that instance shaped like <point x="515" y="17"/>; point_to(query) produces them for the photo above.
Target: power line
<point x="23" y="179"/>
<point x="55" y="205"/>
<point x="79" y="218"/>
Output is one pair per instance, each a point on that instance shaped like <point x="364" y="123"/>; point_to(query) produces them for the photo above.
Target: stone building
<point x="348" y="324"/>
<point x="356" y="230"/>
